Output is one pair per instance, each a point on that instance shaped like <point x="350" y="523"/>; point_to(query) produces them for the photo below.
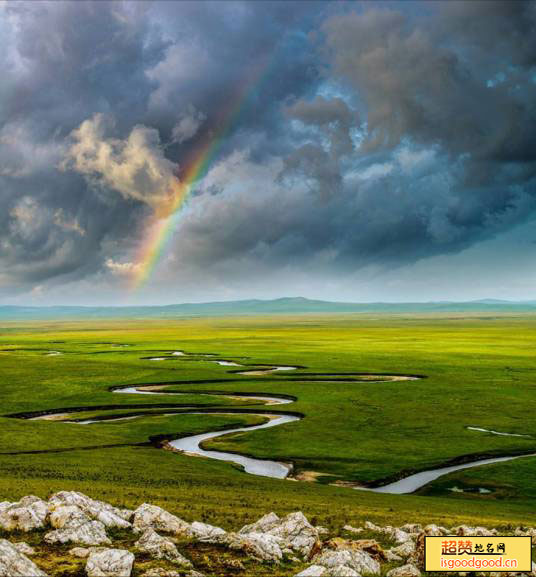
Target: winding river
<point x="192" y="445"/>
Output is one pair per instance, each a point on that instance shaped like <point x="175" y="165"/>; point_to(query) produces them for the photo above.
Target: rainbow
<point x="160" y="230"/>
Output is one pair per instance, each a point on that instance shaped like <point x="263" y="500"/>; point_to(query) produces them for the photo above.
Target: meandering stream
<point x="264" y="467"/>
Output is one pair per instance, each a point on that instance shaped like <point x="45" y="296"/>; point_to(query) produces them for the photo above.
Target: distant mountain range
<point x="297" y="305"/>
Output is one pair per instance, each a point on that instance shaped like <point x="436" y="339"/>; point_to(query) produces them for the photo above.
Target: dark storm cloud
<point x="369" y="135"/>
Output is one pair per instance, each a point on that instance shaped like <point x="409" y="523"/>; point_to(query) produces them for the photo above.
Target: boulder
<point x="98" y="510"/>
<point x="435" y="530"/>
<point x="110" y="563"/>
<point x="25" y="515"/>
<point x="24" y="548"/>
<point x="154" y="517"/>
<point x="351" y="529"/>
<point x="263" y="525"/>
<point x="370" y="546"/>
<point x="341" y="560"/>
<point x="404" y="550"/>
<point x="67" y="516"/>
<point x="408" y="570"/>
<point x="160" y="547"/>
<point x="312" y="571"/>
<point x="202" y="531"/>
<point x="294" y="532"/>
<point x="13" y="563"/>
<point x="261" y="546"/>
<point x="90" y="533"/>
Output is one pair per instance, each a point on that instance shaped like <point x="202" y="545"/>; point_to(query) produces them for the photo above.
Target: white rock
<point x="294" y="532"/>
<point x="404" y="550"/>
<point x="160" y="547"/>
<point x="392" y="557"/>
<point x="83" y="552"/>
<point x="358" y="560"/>
<point x="412" y="528"/>
<point x="433" y="530"/>
<point x="156" y="518"/>
<point x="527" y="532"/>
<point x="25" y="515"/>
<point x="203" y="531"/>
<point x="15" y="564"/>
<point x="98" y="510"/>
<point x="372" y="527"/>
<point x="67" y="516"/>
<point x="263" y="525"/>
<point x="90" y="533"/>
<point x="312" y="571"/>
<point x="351" y="529"/>
<point x="262" y="546"/>
<point x="110" y="563"/>
<point x="408" y="570"/>
<point x="24" y="548"/>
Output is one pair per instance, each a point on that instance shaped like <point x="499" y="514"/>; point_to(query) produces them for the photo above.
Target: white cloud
<point x="122" y="268"/>
<point x="135" y="167"/>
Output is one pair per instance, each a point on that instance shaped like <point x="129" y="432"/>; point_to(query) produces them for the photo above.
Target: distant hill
<point x="295" y="305"/>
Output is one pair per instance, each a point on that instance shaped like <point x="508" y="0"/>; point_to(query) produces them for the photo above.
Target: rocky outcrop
<point x="24" y="548"/>
<point x="160" y="548"/>
<point x="13" y="563"/>
<point x="154" y="517"/>
<point x="465" y="531"/>
<point x="89" y="533"/>
<point x="204" y="532"/>
<point x="25" y="515"/>
<point x="110" y="563"/>
<point x="347" y="562"/>
<point x="97" y="510"/>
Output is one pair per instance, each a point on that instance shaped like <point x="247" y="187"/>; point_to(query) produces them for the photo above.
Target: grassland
<point x="480" y="372"/>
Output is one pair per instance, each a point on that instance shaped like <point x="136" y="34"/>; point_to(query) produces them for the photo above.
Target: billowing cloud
<point x="135" y="166"/>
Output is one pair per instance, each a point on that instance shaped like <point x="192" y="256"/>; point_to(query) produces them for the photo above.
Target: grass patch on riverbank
<point x="480" y="372"/>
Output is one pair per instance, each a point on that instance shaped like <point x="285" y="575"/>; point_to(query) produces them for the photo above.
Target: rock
<point x="358" y="561"/>
<point x="67" y="516"/>
<point x="435" y="530"/>
<point x="372" y="527"/>
<point x="25" y="515"/>
<point x="312" y="571"/>
<point x="261" y="546"/>
<point x="160" y="572"/>
<point x="404" y="550"/>
<point x="13" y="563"/>
<point x="398" y="536"/>
<point x="110" y="563"/>
<point x="351" y="529"/>
<point x="408" y="570"/>
<point x="294" y="532"/>
<point x="263" y="525"/>
<point x="202" y="531"/>
<point x="24" y="548"/>
<point x="160" y="547"/>
<point x="83" y="552"/>
<point x="90" y="533"/>
<point x="370" y="546"/>
<point x="156" y="518"/>
<point x="98" y="510"/>
<point x="465" y="531"/>
<point x="412" y="528"/>
<point x="392" y="557"/>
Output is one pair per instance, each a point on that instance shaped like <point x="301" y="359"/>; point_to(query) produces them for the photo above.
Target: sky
<point x="167" y="152"/>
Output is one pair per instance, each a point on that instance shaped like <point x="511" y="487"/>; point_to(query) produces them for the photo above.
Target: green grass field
<point x="479" y="372"/>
